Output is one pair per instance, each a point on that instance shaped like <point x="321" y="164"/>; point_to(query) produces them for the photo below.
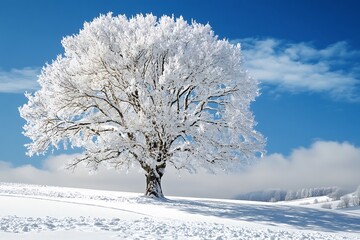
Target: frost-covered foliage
<point x="350" y="200"/>
<point x="146" y="91"/>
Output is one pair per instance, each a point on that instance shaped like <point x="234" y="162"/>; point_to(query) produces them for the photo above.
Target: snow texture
<point x="42" y="212"/>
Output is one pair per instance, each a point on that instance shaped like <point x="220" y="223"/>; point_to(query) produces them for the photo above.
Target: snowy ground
<point x="43" y="212"/>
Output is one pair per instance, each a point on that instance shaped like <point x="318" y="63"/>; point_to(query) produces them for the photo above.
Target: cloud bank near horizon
<point x="301" y="67"/>
<point x="323" y="164"/>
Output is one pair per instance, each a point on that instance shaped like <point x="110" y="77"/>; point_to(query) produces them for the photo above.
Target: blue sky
<point x="305" y="53"/>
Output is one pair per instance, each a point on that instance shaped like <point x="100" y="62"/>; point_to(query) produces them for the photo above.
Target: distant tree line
<point x="275" y="195"/>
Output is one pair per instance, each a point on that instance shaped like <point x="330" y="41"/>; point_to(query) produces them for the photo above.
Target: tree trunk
<point x="153" y="182"/>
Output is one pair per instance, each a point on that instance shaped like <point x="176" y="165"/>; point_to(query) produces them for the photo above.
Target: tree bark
<point x="153" y="182"/>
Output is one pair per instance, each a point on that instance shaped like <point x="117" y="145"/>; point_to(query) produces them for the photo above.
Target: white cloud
<point x="300" y="67"/>
<point x="54" y="172"/>
<point x="19" y="80"/>
<point x="322" y="164"/>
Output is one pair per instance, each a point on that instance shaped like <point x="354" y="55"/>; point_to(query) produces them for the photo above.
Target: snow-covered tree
<point x="146" y="92"/>
<point x="357" y="197"/>
<point x="344" y="201"/>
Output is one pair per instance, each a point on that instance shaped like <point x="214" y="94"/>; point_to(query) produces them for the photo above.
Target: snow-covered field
<point x="44" y="212"/>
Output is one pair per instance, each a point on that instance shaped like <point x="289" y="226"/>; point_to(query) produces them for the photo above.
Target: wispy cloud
<point x="19" y="80"/>
<point x="320" y="165"/>
<point x="299" y="67"/>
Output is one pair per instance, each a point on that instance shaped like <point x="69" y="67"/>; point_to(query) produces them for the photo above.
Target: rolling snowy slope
<point x="43" y="212"/>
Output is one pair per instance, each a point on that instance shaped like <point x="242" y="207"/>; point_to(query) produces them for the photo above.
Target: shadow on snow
<point x="276" y="214"/>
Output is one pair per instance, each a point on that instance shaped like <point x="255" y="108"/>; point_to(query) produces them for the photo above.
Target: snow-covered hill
<point x="43" y="212"/>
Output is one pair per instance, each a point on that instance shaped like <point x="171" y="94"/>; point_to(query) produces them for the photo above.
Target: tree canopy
<point x="147" y="92"/>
